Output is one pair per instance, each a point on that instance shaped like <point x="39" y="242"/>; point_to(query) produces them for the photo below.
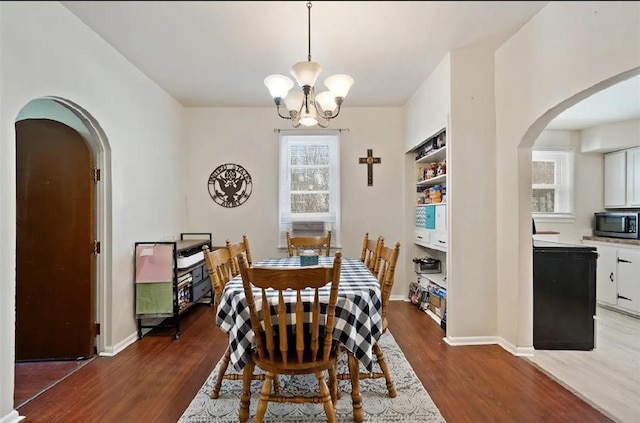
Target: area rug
<point x="412" y="404"/>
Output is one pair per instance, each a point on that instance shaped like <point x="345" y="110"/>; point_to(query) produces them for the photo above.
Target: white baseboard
<point x="482" y="340"/>
<point x="456" y="341"/>
<point x="517" y="351"/>
<point x="490" y="340"/>
<point x="120" y="346"/>
<point x="12" y="417"/>
<point x="398" y="298"/>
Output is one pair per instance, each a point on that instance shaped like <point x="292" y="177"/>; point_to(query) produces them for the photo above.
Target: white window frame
<point x="285" y="217"/>
<point x="564" y="165"/>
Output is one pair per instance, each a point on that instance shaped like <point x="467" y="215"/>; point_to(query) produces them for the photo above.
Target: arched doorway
<point x="72" y="119"/>
<point x="575" y="369"/>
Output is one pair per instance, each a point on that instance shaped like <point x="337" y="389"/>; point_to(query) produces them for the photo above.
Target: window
<point x="309" y="185"/>
<point x="552" y="183"/>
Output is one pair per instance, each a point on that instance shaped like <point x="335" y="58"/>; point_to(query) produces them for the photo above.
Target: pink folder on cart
<point x="154" y="263"/>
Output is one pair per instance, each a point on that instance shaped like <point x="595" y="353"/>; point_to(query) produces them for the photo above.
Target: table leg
<point x="245" y="396"/>
<point x="356" y="398"/>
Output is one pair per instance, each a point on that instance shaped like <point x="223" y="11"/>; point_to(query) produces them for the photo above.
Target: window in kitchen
<point x="552" y="183"/>
<point x="309" y="185"/>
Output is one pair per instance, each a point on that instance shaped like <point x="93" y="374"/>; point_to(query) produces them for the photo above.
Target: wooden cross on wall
<point x="369" y="161"/>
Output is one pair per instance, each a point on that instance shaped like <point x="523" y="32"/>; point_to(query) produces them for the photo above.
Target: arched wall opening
<point x="73" y="115"/>
<point x="525" y="191"/>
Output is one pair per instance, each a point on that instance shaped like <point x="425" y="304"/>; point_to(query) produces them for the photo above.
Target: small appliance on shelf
<point x="427" y="265"/>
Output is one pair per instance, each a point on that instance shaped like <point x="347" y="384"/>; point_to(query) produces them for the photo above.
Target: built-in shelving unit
<point x="431" y="234"/>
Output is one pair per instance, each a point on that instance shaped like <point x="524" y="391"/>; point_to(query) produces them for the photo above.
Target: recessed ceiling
<point x="217" y="53"/>
<point x="617" y="103"/>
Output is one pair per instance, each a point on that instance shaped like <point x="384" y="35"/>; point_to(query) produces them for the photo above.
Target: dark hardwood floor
<point x="155" y="379"/>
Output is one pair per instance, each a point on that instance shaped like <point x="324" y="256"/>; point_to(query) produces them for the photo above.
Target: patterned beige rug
<point x="412" y="404"/>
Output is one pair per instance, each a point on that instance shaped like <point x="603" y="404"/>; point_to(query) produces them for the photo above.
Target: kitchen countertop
<point x="623" y="241"/>
<point x="554" y="246"/>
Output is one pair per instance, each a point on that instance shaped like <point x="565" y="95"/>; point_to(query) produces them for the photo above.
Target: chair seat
<point x="292" y="367"/>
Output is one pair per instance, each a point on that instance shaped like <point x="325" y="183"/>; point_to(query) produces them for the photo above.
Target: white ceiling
<point x="217" y="53"/>
<point x="614" y="104"/>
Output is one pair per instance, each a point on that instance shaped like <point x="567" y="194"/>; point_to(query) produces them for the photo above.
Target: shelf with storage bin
<point x="170" y="277"/>
<point x="431" y="226"/>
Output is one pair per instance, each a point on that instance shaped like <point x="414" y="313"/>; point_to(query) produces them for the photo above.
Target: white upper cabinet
<point x="633" y="177"/>
<point x="622" y="179"/>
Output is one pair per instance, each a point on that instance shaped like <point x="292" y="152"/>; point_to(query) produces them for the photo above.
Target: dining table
<point x="358" y="319"/>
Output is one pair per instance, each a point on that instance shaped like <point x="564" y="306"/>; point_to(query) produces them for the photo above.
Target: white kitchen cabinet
<point x="615" y="179"/>
<point x="622" y="179"/>
<point x="629" y="280"/>
<point x="618" y="276"/>
<point x="633" y="177"/>
<point x="606" y="286"/>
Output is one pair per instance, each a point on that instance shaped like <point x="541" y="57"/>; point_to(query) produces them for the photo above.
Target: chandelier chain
<point x="309" y="27"/>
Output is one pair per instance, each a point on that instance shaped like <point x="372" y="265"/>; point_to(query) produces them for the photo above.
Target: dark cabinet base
<point x="564" y="303"/>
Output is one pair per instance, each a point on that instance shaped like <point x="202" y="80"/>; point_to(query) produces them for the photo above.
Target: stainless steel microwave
<point x="616" y="224"/>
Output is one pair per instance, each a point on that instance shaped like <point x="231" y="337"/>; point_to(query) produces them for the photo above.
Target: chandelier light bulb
<point x="306" y="73"/>
<point x="339" y="84"/>
<point x="278" y="85"/>
<point x="294" y="100"/>
<point x="326" y="101"/>
<point x="308" y="118"/>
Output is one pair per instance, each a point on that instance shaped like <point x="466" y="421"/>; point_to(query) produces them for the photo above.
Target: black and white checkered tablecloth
<point x="358" y="321"/>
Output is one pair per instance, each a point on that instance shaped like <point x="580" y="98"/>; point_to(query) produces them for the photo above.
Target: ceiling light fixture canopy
<point x="308" y="108"/>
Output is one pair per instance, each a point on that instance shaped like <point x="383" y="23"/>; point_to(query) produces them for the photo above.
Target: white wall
<point x="426" y="113"/>
<point x="611" y="137"/>
<point x="461" y="89"/>
<point x="222" y="135"/>
<point x="588" y="186"/>
<point x="553" y="62"/>
<point x="471" y="194"/>
<point x="427" y="110"/>
<point x="145" y="131"/>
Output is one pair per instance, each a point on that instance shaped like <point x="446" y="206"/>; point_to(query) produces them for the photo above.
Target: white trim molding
<point x="119" y="347"/>
<point x="12" y="417"/>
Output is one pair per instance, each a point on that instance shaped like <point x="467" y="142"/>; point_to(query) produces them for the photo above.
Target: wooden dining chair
<point x="219" y="264"/>
<point x="304" y="346"/>
<point x="371" y="253"/>
<point x="388" y="260"/>
<point x="296" y="244"/>
<point x="241" y="247"/>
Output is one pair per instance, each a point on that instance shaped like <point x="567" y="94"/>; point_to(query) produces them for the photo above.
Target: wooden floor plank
<point x="156" y="378"/>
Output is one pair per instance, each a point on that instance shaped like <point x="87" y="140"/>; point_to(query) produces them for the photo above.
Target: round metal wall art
<point x="230" y="185"/>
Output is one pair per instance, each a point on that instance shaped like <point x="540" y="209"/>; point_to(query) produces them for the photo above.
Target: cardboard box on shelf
<point x="437" y="305"/>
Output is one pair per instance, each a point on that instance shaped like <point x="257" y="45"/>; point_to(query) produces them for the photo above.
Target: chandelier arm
<point x="337" y="113"/>
<point x="323" y="122"/>
<point x="278" y="102"/>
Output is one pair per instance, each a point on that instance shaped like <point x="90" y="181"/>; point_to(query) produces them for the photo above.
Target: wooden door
<point x="55" y="233"/>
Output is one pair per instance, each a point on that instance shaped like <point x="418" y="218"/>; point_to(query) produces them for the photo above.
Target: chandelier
<point x="308" y="108"/>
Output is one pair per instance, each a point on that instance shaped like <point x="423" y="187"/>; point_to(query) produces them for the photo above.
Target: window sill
<point x="549" y="218"/>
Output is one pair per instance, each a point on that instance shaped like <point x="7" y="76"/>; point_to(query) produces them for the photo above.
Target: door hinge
<point x="96" y="175"/>
<point x="97" y="328"/>
<point x="96" y="247"/>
